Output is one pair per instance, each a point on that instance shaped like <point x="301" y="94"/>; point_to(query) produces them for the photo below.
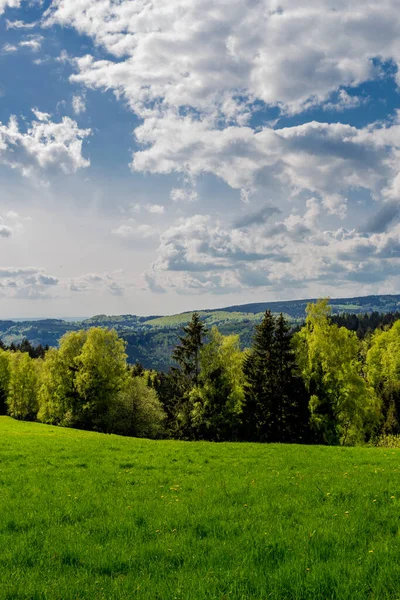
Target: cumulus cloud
<point x="26" y="283"/>
<point x="198" y="254"/>
<point x="265" y="50"/>
<point x="44" y="145"/>
<point x="328" y="159"/>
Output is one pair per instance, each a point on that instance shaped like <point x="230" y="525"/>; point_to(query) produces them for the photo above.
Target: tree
<point x="137" y="411"/>
<point x="59" y="400"/>
<point x="340" y="403"/>
<point x="101" y="374"/>
<point x="82" y="380"/>
<point x="4" y="380"/>
<point x="291" y="398"/>
<point x="185" y="375"/>
<point x="22" y="388"/>
<point x="217" y="400"/>
<point x="383" y="374"/>
<point x="187" y="353"/>
<point x="260" y="368"/>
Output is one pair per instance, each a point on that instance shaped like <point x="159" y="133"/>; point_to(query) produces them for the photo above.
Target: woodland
<point x="333" y="380"/>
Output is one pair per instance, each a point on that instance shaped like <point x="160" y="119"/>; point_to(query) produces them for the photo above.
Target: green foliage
<point x="137" y="411"/>
<point x="22" y="386"/>
<point x="186" y="374"/>
<point x="341" y="405"/>
<point x="4" y="380"/>
<point x="276" y="403"/>
<point x="81" y="381"/>
<point x="387" y="440"/>
<point x="101" y="374"/>
<point x="383" y="373"/>
<point x="59" y="400"/>
<point x="217" y="401"/>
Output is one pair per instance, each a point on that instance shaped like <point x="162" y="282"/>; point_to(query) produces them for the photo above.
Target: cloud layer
<point x="245" y="116"/>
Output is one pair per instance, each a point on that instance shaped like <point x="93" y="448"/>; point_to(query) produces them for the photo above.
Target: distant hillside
<point x="150" y="339"/>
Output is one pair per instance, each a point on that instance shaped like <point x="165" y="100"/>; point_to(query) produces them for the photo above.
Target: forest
<point x="334" y="380"/>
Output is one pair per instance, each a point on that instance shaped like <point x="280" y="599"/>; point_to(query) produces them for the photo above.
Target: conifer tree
<point x="186" y="374"/>
<point x="291" y="398"/>
<point x="260" y="368"/>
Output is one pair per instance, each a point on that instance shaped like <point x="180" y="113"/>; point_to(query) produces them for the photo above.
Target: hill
<point x="87" y="515"/>
<point x="150" y="339"/>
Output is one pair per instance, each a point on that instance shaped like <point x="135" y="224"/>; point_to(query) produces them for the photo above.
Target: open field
<point x="85" y="515"/>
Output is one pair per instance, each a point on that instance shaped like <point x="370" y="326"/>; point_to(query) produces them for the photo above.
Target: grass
<point x="86" y="515"/>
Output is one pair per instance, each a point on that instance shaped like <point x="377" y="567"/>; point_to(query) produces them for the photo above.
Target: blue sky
<point x="161" y="157"/>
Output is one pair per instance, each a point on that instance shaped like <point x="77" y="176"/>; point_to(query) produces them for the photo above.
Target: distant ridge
<point x="296" y="308"/>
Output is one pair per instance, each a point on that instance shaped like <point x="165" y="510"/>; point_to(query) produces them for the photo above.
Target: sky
<point x="158" y="156"/>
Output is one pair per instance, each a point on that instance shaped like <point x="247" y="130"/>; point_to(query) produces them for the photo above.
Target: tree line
<point x="323" y="383"/>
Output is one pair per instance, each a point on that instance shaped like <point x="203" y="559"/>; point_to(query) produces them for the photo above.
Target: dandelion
<point x="370" y="551"/>
<point x="392" y="497"/>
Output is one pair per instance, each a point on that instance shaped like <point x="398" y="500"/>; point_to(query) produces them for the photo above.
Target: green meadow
<point x="86" y="515"/>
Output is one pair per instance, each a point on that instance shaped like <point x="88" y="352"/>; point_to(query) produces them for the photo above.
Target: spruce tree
<point x="291" y="398"/>
<point x="186" y="374"/>
<point x="260" y="369"/>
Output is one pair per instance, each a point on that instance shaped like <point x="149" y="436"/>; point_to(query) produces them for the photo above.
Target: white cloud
<point x="9" y="4"/>
<point x="282" y="53"/>
<point x="20" y="24"/>
<point x="183" y="195"/>
<point x="155" y="209"/>
<point x="321" y="158"/>
<point x="345" y="101"/>
<point x="44" y="145"/>
<point x="78" y="105"/>
<point x="9" y="48"/>
<point x="41" y="116"/>
<point x="196" y="109"/>
<point x="33" y="42"/>
<point x="199" y="255"/>
<point x="26" y="283"/>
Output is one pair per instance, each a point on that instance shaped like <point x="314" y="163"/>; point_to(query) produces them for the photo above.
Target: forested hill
<point x="151" y="339"/>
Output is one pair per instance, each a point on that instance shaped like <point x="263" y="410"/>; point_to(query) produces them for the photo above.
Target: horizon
<point x="196" y="154"/>
<point x="220" y="308"/>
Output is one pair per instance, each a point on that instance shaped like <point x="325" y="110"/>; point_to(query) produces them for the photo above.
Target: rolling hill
<point x="150" y="339"/>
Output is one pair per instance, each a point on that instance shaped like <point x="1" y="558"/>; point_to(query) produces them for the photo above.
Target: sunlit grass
<point x="86" y="515"/>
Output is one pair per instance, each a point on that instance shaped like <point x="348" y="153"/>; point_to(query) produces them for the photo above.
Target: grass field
<point x="85" y="515"/>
